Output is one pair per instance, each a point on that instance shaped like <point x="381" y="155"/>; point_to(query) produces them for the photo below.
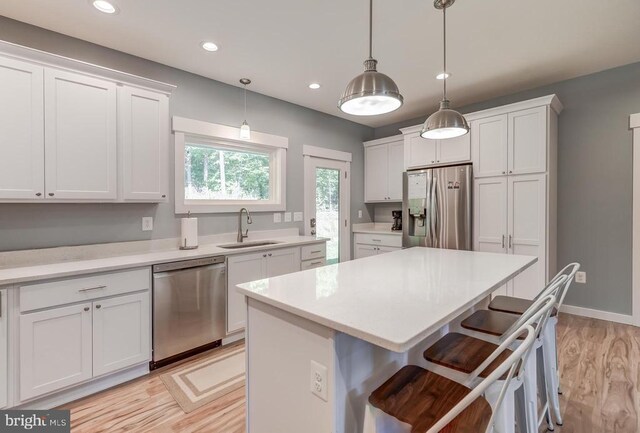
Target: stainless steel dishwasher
<point x="189" y="305"/>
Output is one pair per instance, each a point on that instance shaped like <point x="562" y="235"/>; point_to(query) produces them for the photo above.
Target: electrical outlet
<point x="297" y="216"/>
<point x="147" y="224"/>
<point x="277" y="217"/>
<point x="581" y="277"/>
<point x="359" y="213"/>
<point x="318" y="380"/>
<point x="287" y="217"/>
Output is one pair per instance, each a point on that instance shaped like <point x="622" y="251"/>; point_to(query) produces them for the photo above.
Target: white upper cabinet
<point x="74" y="132"/>
<point x="143" y="126"/>
<point x="527" y="135"/>
<point x="384" y="165"/>
<point x="22" y="126"/>
<point x="419" y="152"/>
<point x="80" y="136"/>
<point x="423" y="152"/>
<point x="489" y="143"/>
<point x="511" y="143"/>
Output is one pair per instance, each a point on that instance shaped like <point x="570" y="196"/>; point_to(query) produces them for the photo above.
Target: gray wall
<point x="24" y="226"/>
<point x="594" y="179"/>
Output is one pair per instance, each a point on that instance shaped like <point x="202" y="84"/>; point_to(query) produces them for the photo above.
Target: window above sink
<point x="216" y="171"/>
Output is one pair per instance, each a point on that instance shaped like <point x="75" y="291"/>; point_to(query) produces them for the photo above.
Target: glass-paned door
<point x="326" y="205"/>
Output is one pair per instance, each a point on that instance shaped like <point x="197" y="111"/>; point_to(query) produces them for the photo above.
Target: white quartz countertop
<point x="19" y="274"/>
<point x="375" y="228"/>
<point x="393" y="300"/>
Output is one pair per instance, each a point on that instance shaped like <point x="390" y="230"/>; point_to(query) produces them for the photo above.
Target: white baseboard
<point x="599" y="314"/>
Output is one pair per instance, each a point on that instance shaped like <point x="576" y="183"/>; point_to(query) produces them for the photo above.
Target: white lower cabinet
<point x="64" y="345"/>
<point x="255" y="266"/>
<point x="55" y="349"/>
<point x="121" y="332"/>
<point x="368" y="244"/>
<point x="3" y="349"/>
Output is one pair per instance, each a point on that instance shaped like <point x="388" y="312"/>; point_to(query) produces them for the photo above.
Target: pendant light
<point x="370" y="93"/>
<point x="444" y="123"/>
<point x="245" y="130"/>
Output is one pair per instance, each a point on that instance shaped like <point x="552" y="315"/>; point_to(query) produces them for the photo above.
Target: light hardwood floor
<point x="600" y="377"/>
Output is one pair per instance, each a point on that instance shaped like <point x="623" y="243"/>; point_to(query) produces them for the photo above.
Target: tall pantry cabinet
<point x="514" y="152"/>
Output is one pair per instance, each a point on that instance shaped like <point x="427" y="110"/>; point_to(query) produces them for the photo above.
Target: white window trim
<point x="229" y="135"/>
<point x="323" y="152"/>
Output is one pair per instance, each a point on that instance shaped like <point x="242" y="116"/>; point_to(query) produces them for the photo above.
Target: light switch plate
<point x="297" y="216"/>
<point x="287" y="217"/>
<point x="147" y="224"/>
<point x="277" y="217"/>
<point x="359" y="213"/>
<point x="581" y="277"/>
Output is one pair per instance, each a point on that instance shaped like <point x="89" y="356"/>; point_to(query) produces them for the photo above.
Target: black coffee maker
<point x="397" y="220"/>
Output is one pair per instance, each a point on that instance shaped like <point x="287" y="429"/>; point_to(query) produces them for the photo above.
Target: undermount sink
<point x="247" y="244"/>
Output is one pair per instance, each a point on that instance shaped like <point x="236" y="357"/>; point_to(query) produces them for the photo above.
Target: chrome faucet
<point x="246" y="233"/>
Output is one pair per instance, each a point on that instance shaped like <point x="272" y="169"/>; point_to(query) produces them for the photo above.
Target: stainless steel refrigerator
<point x="436" y="207"/>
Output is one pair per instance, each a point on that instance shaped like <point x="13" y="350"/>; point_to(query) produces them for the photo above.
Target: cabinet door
<point x="375" y="173"/>
<point x="80" y="136"/>
<point x="395" y="170"/>
<point x="419" y="152"/>
<point x="22" y="126"/>
<point x="143" y="143"/>
<point x="362" y="250"/>
<point x="283" y="261"/>
<point x="121" y="332"/>
<point x="528" y="141"/>
<point x="489" y="146"/>
<point x="3" y="349"/>
<point x="490" y="215"/>
<point x="383" y="249"/>
<point x="456" y="149"/>
<point x="241" y="269"/>
<point x="527" y="210"/>
<point x="55" y="349"/>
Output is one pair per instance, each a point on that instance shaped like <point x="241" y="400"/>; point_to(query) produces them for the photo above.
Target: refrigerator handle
<point x="502" y="241"/>
<point x="434" y="212"/>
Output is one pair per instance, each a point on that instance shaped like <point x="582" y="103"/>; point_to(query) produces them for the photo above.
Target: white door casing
<point x="326" y="158"/>
<point x="634" y="123"/>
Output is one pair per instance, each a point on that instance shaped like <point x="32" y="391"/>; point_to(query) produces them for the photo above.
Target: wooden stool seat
<point x="490" y="322"/>
<point x="512" y="305"/>
<point x="420" y="398"/>
<point x="463" y="353"/>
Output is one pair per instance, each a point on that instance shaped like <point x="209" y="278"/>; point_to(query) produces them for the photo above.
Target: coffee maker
<point x="397" y="220"/>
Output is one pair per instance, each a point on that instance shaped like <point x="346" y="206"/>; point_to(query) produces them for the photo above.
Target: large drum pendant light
<point x="370" y="93"/>
<point x="444" y="123"/>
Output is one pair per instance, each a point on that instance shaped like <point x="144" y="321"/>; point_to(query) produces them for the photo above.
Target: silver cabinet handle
<point x="164" y="196"/>
<point x="88" y="289"/>
<point x="315" y="263"/>
<point x="86" y="308"/>
<point x="38" y="194"/>
<point x="269" y="254"/>
<point x="510" y="241"/>
<point x="98" y="306"/>
<point x="502" y="241"/>
<point x="264" y="255"/>
<point x="316" y="252"/>
<point x="510" y="171"/>
<point x="376" y="240"/>
<point x="51" y="194"/>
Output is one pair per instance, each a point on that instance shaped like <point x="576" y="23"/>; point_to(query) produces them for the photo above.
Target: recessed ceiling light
<point x="104" y="6"/>
<point x="209" y="46"/>
<point x="314" y="86"/>
<point x="442" y="75"/>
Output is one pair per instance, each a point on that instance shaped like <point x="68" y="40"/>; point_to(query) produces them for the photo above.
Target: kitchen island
<point x="319" y="341"/>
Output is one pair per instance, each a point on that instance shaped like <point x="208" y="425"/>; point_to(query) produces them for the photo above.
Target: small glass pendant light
<point x="245" y="130"/>
<point x="370" y="93"/>
<point x="444" y="123"/>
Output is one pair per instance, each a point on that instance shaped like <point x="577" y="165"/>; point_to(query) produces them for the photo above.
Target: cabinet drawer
<point x="313" y="251"/>
<point x="310" y="264"/>
<point x="68" y="291"/>
<point x="378" y="239"/>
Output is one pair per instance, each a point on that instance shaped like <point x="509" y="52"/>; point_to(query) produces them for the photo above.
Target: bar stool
<point x="513" y="305"/>
<point x="421" y="401"/>
<point x="461" y="353"/>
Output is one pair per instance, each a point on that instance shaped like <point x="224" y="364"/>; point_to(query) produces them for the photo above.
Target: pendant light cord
<point x="371" y="29"/>
<point x="444" y="38"/>
<point x="245" y="102"/>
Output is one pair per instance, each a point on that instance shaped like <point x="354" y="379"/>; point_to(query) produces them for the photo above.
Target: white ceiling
<point x="495" y="47"/>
